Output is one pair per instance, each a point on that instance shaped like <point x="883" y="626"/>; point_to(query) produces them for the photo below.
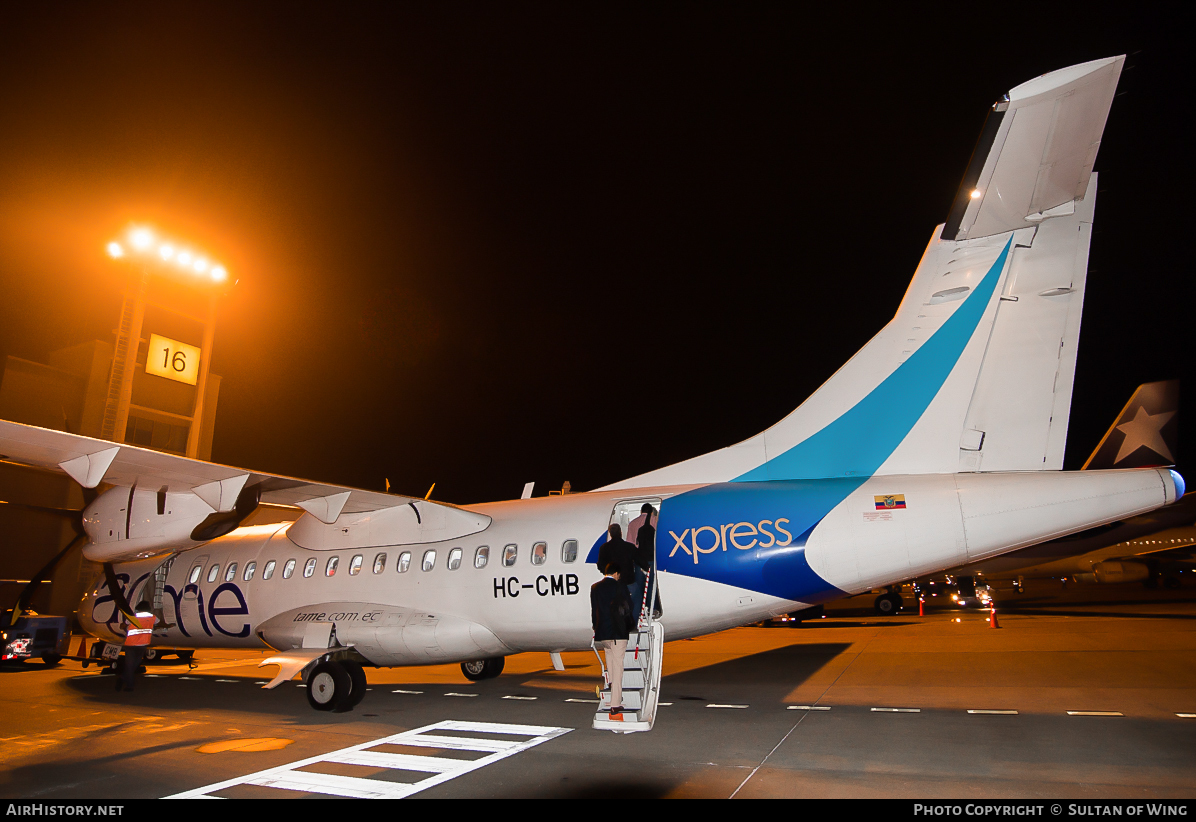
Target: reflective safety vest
<point x="140" y="635"/>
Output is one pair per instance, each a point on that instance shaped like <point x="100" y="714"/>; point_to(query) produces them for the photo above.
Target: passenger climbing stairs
<point x="641" y="677"/>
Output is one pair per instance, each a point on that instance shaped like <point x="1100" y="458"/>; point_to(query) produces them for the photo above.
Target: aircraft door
<point x="630" y="517"/>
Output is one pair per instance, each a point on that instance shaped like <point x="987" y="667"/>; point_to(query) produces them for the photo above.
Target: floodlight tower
<point x="186" y="364"/>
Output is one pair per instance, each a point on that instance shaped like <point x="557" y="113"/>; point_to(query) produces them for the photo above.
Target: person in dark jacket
<point x="645" y="559"/>
<point x="610" y="611"/>
<point x="619" y="551"/>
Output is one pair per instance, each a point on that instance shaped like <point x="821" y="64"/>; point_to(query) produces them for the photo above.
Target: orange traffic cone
<point x="992" y="617"/>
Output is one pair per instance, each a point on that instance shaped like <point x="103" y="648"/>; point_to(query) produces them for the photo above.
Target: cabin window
<point x="509" y="555"/>
<point x="404" y="562"/>
<point x="355" y="565"/>
<point x="214" y="572"/>
<point x="569" y="550"/>
<point x="195" y="572"/>
<point x="481" y="556"/>
<point x="268" y="571"/>
<point x="231" y="573"/>
<point x="429" y="560"/>
<point x="379" y="563"/>
<point x="330" y="568"/>
<point x="539" y="553"/>
<point x="309" y="567"/>
<point x="249" y="569"/>
<point x="288" y="569"/>
<point x="454" y="559"/>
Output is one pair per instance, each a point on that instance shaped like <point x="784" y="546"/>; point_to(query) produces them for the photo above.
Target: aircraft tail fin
<point x="974" y="372"/>
<point x="1145" y="433"/>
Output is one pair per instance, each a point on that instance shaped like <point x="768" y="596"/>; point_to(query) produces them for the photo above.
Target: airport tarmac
<point x="1087" y="702"/>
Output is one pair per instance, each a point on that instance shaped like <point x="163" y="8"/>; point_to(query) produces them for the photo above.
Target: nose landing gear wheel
<point x="330" y="688"/>
<point x="888" y="604"/>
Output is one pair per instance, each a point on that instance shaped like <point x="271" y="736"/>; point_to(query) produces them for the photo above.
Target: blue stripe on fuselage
<point x="802" y="485"/>
<point x="857" y="443"/>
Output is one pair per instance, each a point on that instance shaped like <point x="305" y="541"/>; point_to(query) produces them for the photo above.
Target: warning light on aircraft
<point x="976" y="193"/>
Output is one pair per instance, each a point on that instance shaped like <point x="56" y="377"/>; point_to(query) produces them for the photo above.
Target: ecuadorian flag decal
<point x="889" y="502"/>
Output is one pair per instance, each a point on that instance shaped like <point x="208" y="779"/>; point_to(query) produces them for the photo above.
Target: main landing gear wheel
<point x="888" y="604"/>
<point x="479" y="669"/>
<point x="357" y="678"/>
<point x="330" y="688"/>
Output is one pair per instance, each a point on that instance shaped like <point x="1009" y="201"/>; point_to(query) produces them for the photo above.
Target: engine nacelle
<point x="1123" y="571"/>
<point x="383" y="634"/>
<point x="125" y="524"/>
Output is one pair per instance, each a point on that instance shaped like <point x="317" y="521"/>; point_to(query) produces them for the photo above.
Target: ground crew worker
<point x="141" y="630"/>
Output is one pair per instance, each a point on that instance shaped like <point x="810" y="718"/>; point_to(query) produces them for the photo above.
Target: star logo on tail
<point x="1143" y="430"/>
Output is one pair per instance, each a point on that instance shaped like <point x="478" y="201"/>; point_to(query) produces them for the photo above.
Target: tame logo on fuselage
<point x="744" y="536"/>
<point x="209" y="616"/>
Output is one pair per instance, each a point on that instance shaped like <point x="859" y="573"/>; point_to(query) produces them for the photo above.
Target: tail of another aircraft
<point x="1145" y="433"/>
<point x="975" y="370"/>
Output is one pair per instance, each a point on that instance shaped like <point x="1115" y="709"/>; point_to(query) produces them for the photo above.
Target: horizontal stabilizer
<point x="1036" y="151"/>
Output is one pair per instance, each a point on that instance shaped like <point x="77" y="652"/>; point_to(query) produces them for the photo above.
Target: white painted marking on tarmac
<point x="897" y="710"/>
<point x="196" y="678"/>
<point x="720" y="705"/>
<point x="1186" y="716"/>
<point x="663" y="704"/>
<point x="808" y="708"/>
<point x="528" y="698"/>
<point x="592" y="701"/>
<point x="228" y="680"/>
<point x="441" y="769"/>
<point x="1095" y="713"/>
<point x="453" y="693"/>
<point x="401" y="691"/>
<point x="986" y="711"/>
<point x="155" y="676"/>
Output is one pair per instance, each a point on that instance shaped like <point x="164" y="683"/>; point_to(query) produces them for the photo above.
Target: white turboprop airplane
<point x="939" y="443"/>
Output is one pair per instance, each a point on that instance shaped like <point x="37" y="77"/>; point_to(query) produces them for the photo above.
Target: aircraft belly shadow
<point x="769" y="675"/>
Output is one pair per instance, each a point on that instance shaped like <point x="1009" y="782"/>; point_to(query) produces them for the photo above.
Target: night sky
<point x="484" y="244"/>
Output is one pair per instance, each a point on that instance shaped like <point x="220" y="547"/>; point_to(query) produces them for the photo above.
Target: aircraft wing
<point x="91" y="461"/>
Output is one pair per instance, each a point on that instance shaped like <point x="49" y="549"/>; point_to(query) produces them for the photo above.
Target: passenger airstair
<point x="641" y="673"/>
